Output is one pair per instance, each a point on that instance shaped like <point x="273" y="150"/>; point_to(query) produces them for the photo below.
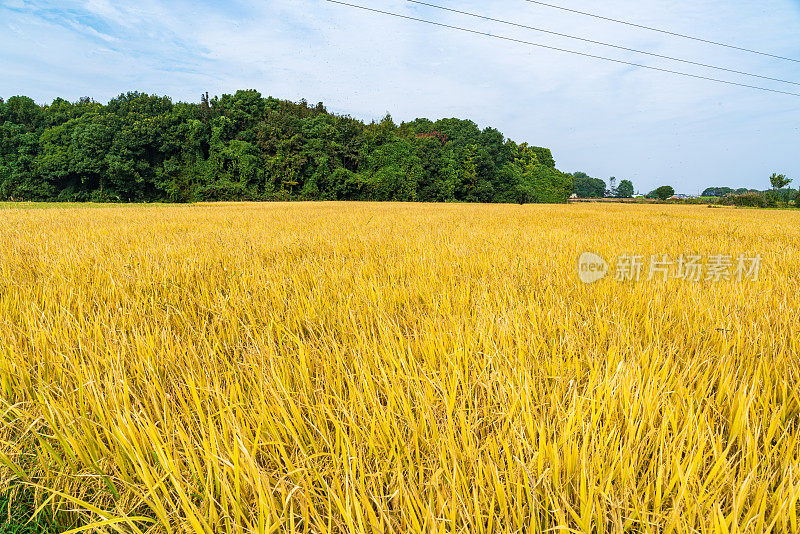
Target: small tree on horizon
<point x="587" y="187"/>
<point x="779" y="181"/>
<point x="625" y="189"/>
<point x="664" y="192"/>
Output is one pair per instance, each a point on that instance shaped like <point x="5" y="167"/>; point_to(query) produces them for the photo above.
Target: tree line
<point x="143" y="148"/>
<point x="587" y="187"/>
<point x="779" y="190"/>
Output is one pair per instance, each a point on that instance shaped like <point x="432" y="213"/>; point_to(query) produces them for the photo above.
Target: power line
<point x="667" y="32"/>
<point x="690" y="62"/>
<point x="511" y="39"/>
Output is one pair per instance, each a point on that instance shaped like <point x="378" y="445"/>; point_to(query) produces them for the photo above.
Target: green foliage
<point x="752" y="199"/>
<point x="547" y="184"/>
<point x="588" y="187"/>
<point x="772" y="198"/>
<point x="17" y="515"/>
<point x="662" y="193"/>
<point x="786" y="194"/>
<point x="779" y="181"/>
<point x="780" y="194"/>
<point x="717" y="191"/>
<point x="142" y="147"/>
<point x="625" y="189"/>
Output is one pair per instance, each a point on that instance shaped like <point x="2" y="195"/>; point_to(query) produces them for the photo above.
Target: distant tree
<point x="625" y="189"/>
<point x="717" y="191"/>
<point x="752" y="199"/>
<point x="587" y="187"/>
<point x="662" y="193"/>
<point x="779" y="181"/>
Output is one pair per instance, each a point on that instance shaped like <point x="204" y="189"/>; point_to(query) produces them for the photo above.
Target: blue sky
<point x="604" y="118"/>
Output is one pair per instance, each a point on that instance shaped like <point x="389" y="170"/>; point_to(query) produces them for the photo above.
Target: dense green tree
<point x="778" y="182"/>
<point x="588" y="187"/>
<point x="625" y="189"/>
<point x="662" y="193"/>
<point x="717" y="191"/>
<point x="142" y="147"/>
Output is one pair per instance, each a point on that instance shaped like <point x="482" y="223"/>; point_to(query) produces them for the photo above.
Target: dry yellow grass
<point x="397" y="368"/>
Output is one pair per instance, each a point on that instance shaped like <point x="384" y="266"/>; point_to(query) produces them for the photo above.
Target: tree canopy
<point x="662" y="193"/>
<point x="625" y="189"/>
<point x="588" y="187"/>
<point x="142" y="147"/>
<point x="779" y="181"/>
<point x="717" y="191"/>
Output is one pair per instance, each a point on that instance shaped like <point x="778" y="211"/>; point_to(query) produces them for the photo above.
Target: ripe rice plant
<point x="327" y="368"/>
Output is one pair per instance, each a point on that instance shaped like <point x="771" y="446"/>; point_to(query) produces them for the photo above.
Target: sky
<point x="603" y="118"/>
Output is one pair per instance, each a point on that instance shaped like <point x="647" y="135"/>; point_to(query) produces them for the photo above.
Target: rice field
<point x="349" y="368"/>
